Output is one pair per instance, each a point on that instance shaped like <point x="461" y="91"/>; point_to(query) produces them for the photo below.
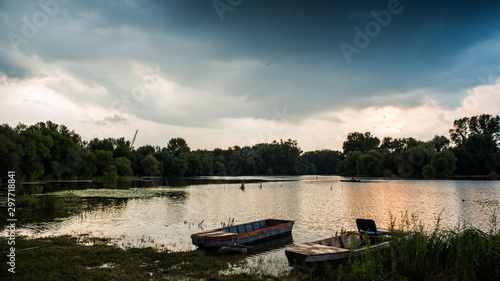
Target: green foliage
<point x="360" y="142"/>
<point x="348" y="166"/>
<point x="66" y="258"/>
<point x="48" y="150"/>
<point x="176" y="146"/>
<point x="466" y="127"/>
<point x="369" y="164"/>
<point x="123" y="166"/>
<point x="476" y="155"/>
<point x="150" y="165"/>
<point x="104" y="162"/>
<point x="179" y="167"/>
<point x="322" y="162"/>
<point x="442" y="165"/>
<point x="37" y="203"/>
<point x="419" y="254"/>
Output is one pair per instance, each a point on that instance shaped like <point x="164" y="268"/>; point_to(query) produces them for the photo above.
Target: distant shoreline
<point x="258" y="178"/>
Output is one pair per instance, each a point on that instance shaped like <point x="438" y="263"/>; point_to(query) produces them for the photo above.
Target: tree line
<point x="52" y="151"/>
<point x="473" y="149"/>
<point x="48" y="150"/>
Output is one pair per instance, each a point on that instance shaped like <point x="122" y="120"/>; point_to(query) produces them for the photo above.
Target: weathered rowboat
<point x="242" y="234"/>
<point x="351" y="180"/>
<point x="306" y="256"/>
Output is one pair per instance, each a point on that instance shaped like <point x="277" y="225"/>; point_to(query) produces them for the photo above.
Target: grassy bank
<point x="460" y="254"/>
<point x="453" y="254"/>
<point x="65" y="258"/>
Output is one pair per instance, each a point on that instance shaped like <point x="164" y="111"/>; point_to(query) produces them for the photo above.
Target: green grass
<point x="65" y="258"/>
<point x="64" y="202"/>
<point x="428" y="254"/>
<point x="457" y="254"/>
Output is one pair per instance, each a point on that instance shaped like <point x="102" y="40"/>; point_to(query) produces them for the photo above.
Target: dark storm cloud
<point x="263" y="54"/>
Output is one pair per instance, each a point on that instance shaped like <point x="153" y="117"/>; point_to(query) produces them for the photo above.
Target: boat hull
<point x="243" y="234"/>
<point x="306" y="256"/>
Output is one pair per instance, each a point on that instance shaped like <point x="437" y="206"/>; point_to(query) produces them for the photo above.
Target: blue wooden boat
<point x="242" y="234"/>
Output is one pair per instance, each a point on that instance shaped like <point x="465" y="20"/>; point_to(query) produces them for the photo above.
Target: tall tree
<point x="360" y="142"/>
<point x="104" y="162"/>
<point x="369" y="164"/>
<point x="476" y="155"/>
<point x="440" y="142"/>
<point x="123" y="166"/>
<point x="442" y="165"/>
<point x="150" y="165"/>
<point x="176" y="146"/>
<point x="484" y="124"/>
<point x="348" y="166"/>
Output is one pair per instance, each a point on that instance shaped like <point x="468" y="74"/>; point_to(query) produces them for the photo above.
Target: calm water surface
<point x="319" y="205"/>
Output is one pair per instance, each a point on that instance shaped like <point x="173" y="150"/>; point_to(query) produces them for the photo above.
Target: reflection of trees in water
<point x="179" y="196"/>
<point x="100" y="202"/>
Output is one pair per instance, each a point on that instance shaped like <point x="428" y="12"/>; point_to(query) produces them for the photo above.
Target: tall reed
<point x="417" y="253"/>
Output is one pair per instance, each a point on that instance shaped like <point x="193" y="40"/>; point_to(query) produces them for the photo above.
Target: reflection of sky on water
<point x="166" y="217"/>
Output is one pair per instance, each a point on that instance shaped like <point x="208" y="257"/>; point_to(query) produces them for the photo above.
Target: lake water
<point x="166" y="216"/>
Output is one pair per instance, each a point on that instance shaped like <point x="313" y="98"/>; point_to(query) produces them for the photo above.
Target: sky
<point x="240" y="72"/>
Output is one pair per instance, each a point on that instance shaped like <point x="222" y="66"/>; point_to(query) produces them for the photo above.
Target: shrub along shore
<point x="457" y="254"/>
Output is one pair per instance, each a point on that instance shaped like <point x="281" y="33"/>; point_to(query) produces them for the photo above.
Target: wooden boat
<point x="351" y="180"/>
<point x="243" y="234"/>
<point x="306" y="256"/>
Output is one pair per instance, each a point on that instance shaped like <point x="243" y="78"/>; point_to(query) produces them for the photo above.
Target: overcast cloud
<point x="223" y="73"/>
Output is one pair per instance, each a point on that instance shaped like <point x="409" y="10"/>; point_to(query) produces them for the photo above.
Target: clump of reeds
<point x="462" y="253"/>
<point x="417" y="253"/>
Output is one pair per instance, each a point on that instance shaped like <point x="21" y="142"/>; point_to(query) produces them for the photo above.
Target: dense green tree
<point x="87" y="166"/>
<point x="348" y="166"/>
<point x="122" y="148"/>
<point x="176" y="146"/>
<point x="399" y="145"/>
<point x="324" y="161"/>
<point x="484" y="124"/>
<point x="369" y="164"/>
<point x="219" y="165"/>
<point x="497" y="162"/>
<point x="104" y="162"/>
<point x="179" y="167"/>
<point x="195" y="167"/>
<point x="207" y="163"/>
<point x="249" y="166"/>
<point x="442" y="165"/>
<point x="410" y="163"/>
<point x="49" y="150"/>
<point x="123" y="166"/>
<point x="36" y="150"/>
<point x="440" y="142"/>
<point x="476" y="155"/>
<point x="10" y="151"/>
<point x="150" y="165"/>
<point x="360" y="142"/>
<point x="97" y="144"/>
<point x="164" y="160"/>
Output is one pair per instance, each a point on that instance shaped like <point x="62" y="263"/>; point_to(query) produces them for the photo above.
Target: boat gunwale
<point x="329" y="256"/>
<point x="219" y="235"/>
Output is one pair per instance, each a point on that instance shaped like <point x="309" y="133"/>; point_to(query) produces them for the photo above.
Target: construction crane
<point x="134" y="138"/>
